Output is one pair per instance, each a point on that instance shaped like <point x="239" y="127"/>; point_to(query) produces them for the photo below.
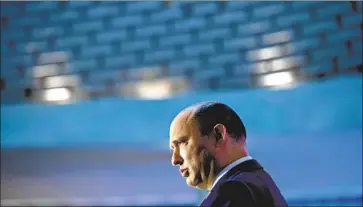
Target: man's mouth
<point x="184" y="173"/>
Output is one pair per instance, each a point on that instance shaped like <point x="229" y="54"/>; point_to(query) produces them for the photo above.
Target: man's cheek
<point x="186" y="155"/>
<point x="183" y="153"/>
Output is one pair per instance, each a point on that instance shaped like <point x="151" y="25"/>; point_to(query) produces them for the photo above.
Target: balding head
<point x="208" y="114"/>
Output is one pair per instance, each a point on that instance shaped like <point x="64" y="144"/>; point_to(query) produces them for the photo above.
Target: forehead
<point x="182" y="125"/>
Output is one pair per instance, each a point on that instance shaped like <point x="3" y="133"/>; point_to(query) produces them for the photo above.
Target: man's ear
<point x="219" y="132"/>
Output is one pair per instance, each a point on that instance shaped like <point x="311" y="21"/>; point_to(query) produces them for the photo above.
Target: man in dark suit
<point x="208" y="143"/>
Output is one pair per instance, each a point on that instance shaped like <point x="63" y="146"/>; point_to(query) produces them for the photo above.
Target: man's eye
<point x="181" y="143"/>
<point x="184" y="142"/>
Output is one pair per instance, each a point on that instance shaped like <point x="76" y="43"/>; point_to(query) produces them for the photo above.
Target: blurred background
<point x="89" y="88"/>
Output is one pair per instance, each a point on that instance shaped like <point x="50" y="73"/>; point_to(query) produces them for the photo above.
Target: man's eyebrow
<point x="180" y="139"/>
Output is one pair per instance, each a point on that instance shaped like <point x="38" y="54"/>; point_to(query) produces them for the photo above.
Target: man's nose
<point x="176" y="159"/>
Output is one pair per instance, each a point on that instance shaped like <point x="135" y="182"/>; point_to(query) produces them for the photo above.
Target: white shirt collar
<point x="229" y="167"/>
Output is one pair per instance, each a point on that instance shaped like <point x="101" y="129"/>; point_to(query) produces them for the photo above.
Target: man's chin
<point x="195" y="184"/>
<point x="191" y="182"/>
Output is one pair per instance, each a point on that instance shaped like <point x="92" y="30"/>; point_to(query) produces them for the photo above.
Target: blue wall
<point x="325" y="107"/>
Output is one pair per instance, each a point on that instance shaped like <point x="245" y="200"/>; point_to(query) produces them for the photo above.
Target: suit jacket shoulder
<point x="247" y="184"/>
<point x="234" y="193"/>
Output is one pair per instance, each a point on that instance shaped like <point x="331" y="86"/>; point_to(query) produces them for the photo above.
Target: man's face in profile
<point x="191" y="152"/>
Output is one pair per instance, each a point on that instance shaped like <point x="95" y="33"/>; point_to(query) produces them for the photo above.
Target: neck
<point x="234" y="154"/>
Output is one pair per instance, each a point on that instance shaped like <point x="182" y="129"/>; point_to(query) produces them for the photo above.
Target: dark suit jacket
<point x="247" y="184"/>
